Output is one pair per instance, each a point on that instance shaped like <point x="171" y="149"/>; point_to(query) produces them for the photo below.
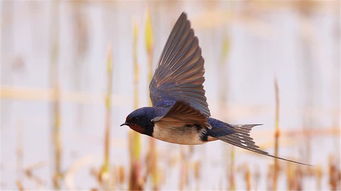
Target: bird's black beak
<point x="124" y="124"/>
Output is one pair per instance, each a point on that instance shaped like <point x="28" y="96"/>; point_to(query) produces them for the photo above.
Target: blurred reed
<point x="149" y="42"/>
<point x="152" y="157"/>
<point x="247" y="177"/>
<point x="318" y="176"/>
<point x="305" y="9"/>
<point x="276" y="135"/>
<point x="30" y="175"/>
<point x="105" y="172"/>
<point x="121" y="175"/>
<point x="135" y="180"/>
<point x="334" y="173"/>
<point x="55" y="105"/>
<point x="19" y="152"/>
<point x="184" y="168"/>
<point x="337" y="88"/>
<point x="222" y="68"/>
<point x="197" y="168"/>
<point x="256" y="178"/>
<point x="20" y="187"/>
<point x="79" y="67"/>
<point x="293" y="177"/>
<point x="224" y="106"/>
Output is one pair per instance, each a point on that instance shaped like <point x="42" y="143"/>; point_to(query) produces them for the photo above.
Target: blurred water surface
<point x="246" y="46"/>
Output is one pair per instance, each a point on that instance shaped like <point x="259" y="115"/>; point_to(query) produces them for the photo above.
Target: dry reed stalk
<point x="196" y="170"/>
<point x="223" y="107"/>
<point x="20" y="187"/>
<point x="294" y="177"/>
<point x="94" y="172"/>
<point x="223" y="97"/>
<point x="152" y="153"/>
<point x="305" y="9"/>
<point x="28" y="172"/>
<point x="318" y="176"/>
<point x="336" y="86"/>
<point x="73" y="169"/>
<point x="152" y="164"/>
<point x="19" y="153"/>
<point x="224" y="86"/>
<point x="299" y="178"/>
<point x="121" y="176"/>
<point x="248" y="178"/>
<point x="149" y="44"/>
<point x="290" y="176"/>
<point x="231" y="170"/>
<point x="104" y="173"/>
<point x="334" y="173"/>
<point x="269" y="175"/>
<point x="257" y="177"/>
<point x="55" y="105"/>
<point x="81" y="42"/>
<point x="135" y="182"/>
<point x="183" y="169"/>
<point x="277" y="135"/>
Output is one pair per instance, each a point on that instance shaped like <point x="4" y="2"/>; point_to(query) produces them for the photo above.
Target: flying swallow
<point x="180" y="112"/>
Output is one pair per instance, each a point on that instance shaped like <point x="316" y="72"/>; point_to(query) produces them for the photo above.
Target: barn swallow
<point x="180" y="113"/>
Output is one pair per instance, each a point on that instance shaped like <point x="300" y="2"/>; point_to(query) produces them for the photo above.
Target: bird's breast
<point x="186" y="135"/>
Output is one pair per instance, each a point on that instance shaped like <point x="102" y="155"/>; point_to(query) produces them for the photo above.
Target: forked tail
<point x="241" y="138"/>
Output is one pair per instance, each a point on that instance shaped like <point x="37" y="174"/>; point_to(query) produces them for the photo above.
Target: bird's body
<point x="184" y="135"/>
<point x="180" y="113"/>
<point x="192" y="134"/>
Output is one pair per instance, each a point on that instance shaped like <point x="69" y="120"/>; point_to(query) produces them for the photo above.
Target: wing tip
<point x="183" y="14"/>
<point x="184" y="18"/>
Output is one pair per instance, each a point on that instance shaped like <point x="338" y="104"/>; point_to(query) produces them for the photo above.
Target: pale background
<point x="297" y="43"/>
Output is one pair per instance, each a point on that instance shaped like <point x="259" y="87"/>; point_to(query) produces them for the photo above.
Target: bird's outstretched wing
<point x="181" y="114"/>
<point x="180" y="72"/>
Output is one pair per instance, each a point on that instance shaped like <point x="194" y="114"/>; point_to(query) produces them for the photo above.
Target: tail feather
<point x="241" y="138"/>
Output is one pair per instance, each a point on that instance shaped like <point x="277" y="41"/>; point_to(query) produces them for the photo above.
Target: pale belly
<point x="179" y="135"/>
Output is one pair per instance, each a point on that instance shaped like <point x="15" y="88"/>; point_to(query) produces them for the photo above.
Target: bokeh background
<point x="72" y="70"/>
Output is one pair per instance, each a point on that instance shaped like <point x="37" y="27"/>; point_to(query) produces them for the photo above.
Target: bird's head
<point x="140" y="120"/>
